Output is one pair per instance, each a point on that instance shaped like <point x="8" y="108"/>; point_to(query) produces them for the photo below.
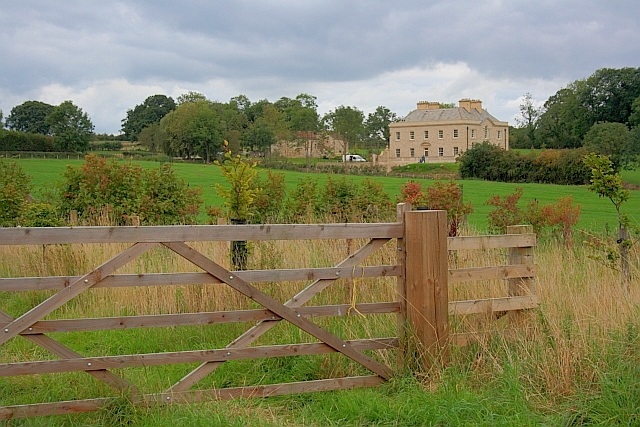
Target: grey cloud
<point x="77" y="42"/>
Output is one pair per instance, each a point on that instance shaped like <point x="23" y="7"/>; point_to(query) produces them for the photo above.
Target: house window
<point x="486" y="133"/>
<point x="426" y="152"/>
<point x="411" y="135"/>
<point x="455" y="151"/>
<point x="397" y="152"/>
<point x="397" y="136"/>
<point x="473" y="133"/>
<point x="499" y="134"/>
<point x="455" y="133"/>
<point x="440" y="134"/>
<point x="426" y="134"/>
<point x="412" y="152"/>
<point x="440" y="151"/>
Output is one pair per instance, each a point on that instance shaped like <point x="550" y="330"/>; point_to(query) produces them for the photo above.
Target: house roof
<point x="449" y="114"/>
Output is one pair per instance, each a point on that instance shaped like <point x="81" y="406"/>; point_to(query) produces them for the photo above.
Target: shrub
<point x="411" y="192"/>
<point x="11" y="140"/>
<point x="41" y="215"/>
<point x="269" y="201"/>
<point x="302" y="205"/>
<point x="507" y="211"/>
<point x="157" y="196"/>
<point x="562" y="214"/>
<point x="447" y="195"/>
<point x="489" y="162"/>
<point x="14" y="190"/>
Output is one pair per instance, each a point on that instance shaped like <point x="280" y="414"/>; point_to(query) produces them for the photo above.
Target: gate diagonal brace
<point x="85" y="282"/>
<point x="256" y="331"/>
<point x="278" y="308"/>
<point x="64" y="352"/>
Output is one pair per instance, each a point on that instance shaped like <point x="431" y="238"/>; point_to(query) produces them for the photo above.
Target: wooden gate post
<point x="426" y="277"/>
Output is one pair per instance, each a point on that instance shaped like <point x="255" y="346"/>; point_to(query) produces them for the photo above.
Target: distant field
<point x="597" y="214"/>
<point x="632" y="177"/>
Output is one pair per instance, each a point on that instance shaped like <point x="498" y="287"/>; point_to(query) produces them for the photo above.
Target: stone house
<point x="440" y="135"/>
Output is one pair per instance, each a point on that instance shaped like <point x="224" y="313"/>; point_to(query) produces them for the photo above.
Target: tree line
<point x="196" y="126"/>
<point x="193" y="125"/>
<point x="600" y="113"/>
<point x="38" y="126"/>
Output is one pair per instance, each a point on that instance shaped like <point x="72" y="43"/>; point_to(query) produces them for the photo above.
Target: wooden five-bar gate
<point x="421" y="305"/>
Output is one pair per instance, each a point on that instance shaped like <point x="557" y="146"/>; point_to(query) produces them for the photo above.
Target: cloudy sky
<point x="108" y="56"/>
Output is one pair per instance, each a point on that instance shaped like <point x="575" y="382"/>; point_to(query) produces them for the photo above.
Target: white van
<point x="353" y="158"/>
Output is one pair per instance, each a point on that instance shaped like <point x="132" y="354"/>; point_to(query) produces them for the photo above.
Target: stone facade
<point x="439" y="135"/>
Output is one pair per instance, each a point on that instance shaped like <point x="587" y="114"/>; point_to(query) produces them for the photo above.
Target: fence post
<point x="426" y="277"/>
<point x="526" y="285"/>
<point x="401" y="289"/>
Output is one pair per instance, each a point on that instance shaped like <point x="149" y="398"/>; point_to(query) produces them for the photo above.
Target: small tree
<point x="240" y="175"/>
<point x="239" y="200"/>
<point x="606" y="182"/>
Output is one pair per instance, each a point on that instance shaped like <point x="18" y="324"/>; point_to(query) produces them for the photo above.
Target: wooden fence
<point x="421" y="272"/>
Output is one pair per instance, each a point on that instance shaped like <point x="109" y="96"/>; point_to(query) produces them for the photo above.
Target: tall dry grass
<point x="555" y="347"/>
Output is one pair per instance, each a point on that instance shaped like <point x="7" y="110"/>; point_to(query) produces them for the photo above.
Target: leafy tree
<point x="564" y="120"/>
<point x="191" y="96"/>
<point x="71" y="127"/>
<point x="377" y="126"/>
<point x="277" y="122"/>
<point x="193" y="128"/>
<point x="529" y="117"/>
<point x="634" y="117"/>
<point x="606" y="182"/>
<point x="259" y="137"/>
<point x="152" y="110"/>
<point x="30" y="116"/>
<point x="612" y="140"/>
<point x="609" y="93"/>
<point x="304" y="121"/>
<point x="348" y="124"/>
<point x="152" y="137"/>
<point x="14" y="190"/>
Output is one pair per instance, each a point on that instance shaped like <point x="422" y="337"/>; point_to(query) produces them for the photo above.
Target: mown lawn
<point x="597" y="214"/>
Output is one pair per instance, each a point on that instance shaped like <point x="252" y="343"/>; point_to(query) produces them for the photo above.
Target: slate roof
<point x="449" y="114"/>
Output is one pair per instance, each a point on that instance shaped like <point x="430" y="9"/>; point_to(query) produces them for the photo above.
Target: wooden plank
<point x="426" y="281"/>
<point x="261" y="328"/>
<point x="196" y="233"/>
<point x="180" y="357"/>
<point x="90" y="405"/>
<point x="491" y="305"/>
<point x="187" y="319"/>
<point x="178" y="279"/>
<point x="524" y="256"/>
<point x="492" y="273"/>
<point x="278" y="308"/>
<point x="53" y="408"/>
<point x="64" y="352"/>
<point x="18" y="325"/>
<point x="491" y="242"/>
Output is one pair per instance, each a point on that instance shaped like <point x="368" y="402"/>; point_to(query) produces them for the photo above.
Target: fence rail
<point x="421" y="272"/>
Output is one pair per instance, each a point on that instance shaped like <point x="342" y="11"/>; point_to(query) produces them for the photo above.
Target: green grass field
<point x="574" y="362"/>
<point x="597" y="214"/>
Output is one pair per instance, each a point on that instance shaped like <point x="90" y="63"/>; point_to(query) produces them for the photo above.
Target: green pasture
<point x="597" y="214"/>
